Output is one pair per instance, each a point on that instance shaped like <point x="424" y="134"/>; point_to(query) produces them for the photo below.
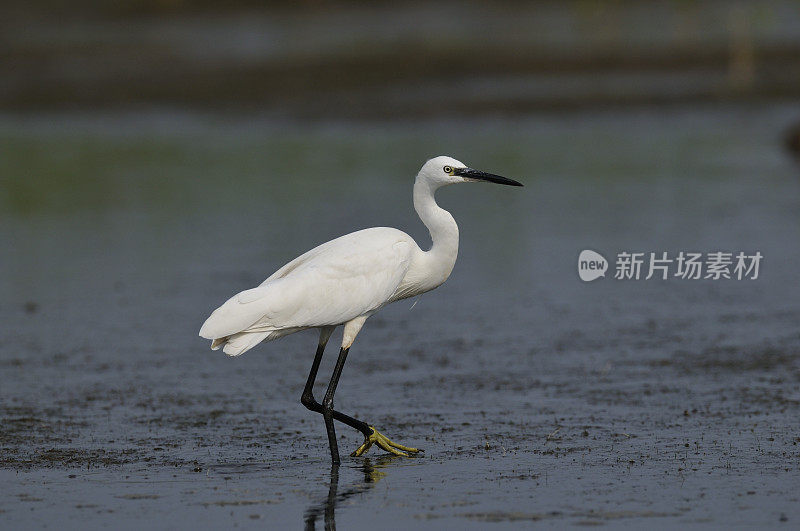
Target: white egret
<point x="343" y="282"/>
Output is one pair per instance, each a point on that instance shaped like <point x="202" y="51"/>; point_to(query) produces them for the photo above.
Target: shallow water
<point x="536" y="397"/>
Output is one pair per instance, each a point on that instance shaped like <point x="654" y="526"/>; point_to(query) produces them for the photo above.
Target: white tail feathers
<point x="240" y="343"/>
<point x="218" y="342"/>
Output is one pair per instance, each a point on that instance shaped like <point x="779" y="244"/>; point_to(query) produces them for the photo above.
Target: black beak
<point x="477" y="175"/>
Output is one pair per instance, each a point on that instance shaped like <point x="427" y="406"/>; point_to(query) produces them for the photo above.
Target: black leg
<point x="308" y="392"/>
<point x="327" y="404"/>
<point x="310" y="402"/>
<point x="327" y="414"/>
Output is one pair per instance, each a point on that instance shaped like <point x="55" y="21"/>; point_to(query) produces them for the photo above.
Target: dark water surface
<point x="536" y="397"/>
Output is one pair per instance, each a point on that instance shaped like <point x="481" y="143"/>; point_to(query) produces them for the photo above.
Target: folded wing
<point x="331" y="284"/>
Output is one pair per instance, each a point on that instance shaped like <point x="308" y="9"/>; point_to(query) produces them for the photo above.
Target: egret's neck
<point x="441" y="225"/>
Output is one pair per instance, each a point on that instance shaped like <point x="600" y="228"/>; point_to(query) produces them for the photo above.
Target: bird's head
<point x="443" y="170"/>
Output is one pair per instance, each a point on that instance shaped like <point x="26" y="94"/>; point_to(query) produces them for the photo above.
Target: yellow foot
<point x="384" y="443"/>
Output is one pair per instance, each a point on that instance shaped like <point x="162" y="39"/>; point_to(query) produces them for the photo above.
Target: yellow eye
<point x="448" y="170"/>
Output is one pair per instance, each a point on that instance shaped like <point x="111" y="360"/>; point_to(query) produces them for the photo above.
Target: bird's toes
<point x="407" y="449"/>
<point x="385" y="444"/>
<point x="392" y="450"/>
<point x="362" y="449"/>
<point x="395" y="448"/>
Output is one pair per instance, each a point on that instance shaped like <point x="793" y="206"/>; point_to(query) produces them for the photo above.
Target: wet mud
<point x="538" y="399"/>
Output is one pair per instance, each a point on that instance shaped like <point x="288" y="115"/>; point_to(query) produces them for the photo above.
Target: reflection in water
<point x="327" y="507"/>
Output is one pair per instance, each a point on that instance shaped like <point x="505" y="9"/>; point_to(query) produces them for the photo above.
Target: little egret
<point x="343" y="282"/>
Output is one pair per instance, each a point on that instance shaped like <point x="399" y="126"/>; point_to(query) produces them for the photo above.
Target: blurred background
<point x="401" y="60"/>
<point x="160" y="71"/>
<point x="158" y="156"/>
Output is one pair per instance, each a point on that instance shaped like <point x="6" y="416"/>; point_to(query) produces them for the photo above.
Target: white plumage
<point x="347" y="279"/>
<point x="342" y="279"/>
